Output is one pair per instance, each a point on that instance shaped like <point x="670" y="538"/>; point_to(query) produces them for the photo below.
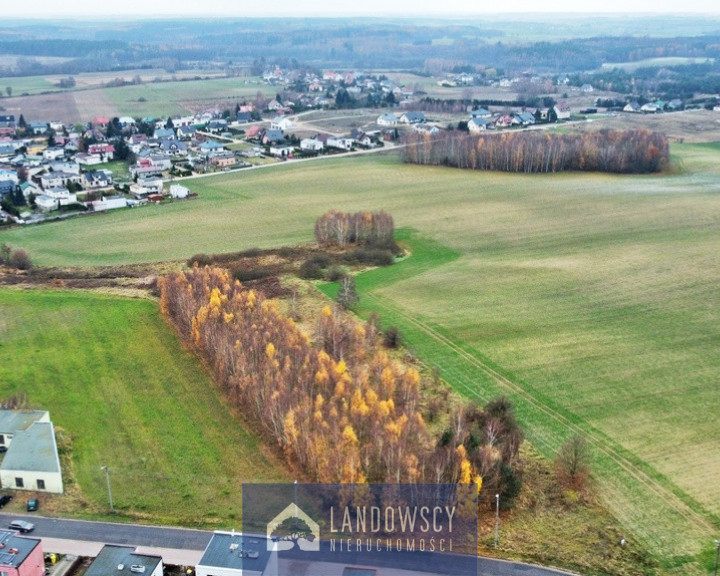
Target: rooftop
<point x="116" y="560"/>
<point x="13" y="420"/>
<point x="33" y="450"/>
<point x="15" y="549"/>
<point x="236" y="551"/>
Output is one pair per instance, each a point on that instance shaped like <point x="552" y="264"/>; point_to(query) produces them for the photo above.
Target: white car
<point x="21" y="526"/>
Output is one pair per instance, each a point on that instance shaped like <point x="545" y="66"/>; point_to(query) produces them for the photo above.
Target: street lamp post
<point x="497" y="518"/>
<point x="107" y="477"/>
<point x="717" y="554"/>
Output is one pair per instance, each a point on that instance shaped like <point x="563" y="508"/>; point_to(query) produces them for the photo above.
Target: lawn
<point x="118" y="384"/>
<point x="590" y="299"/>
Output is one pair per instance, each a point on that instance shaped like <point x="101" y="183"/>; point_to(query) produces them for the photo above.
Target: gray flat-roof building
<point x="237" y="554"/>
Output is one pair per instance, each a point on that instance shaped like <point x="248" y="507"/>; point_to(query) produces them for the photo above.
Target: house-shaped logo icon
<point x="293" y="527"/>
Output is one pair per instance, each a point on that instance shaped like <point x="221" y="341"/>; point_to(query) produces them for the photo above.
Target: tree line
<point x="341" y="408"/>
<point x="616" y="151"/>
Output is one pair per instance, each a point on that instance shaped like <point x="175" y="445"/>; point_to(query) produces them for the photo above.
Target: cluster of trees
<point x="15" y="258"/>
<point x="338" y="229"/>
<point x="622" y="152"/>
<point x="342" y="408"/>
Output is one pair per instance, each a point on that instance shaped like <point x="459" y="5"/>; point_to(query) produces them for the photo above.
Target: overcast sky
<point x="453" y="8"/>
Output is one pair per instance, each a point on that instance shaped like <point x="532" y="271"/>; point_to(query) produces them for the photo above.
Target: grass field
<point x="590" y="299"/>
<point x="114" y="378"/>
<point x="156" y="99"/>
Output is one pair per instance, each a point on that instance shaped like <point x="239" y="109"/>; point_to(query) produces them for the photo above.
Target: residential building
<point x="31" y="461"/>
<point x="117" y="560"/>
<point x="236" y="554"/>
<point x="179" y="191"/>
<point x="311" y="145"/>
<point x="20" y="555"/>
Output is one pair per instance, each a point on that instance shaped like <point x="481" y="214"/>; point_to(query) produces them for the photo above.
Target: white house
<point x="281" y="123"/>
<point x="237" y="554"/>
<point x="31" y="461"/>
<point x="179" y="191"/>
<point x="108" y="203"/>
<point x="341" y="143"/>
<point x="311" y="145"/>
<point x="387" y="119"/>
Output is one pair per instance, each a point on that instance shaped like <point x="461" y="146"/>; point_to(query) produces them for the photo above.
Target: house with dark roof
<point x="31" y="461"/>
<point x="237" y="554"/>
<point x="116" y="560"/>
<point x="412" y="118"/>
<point x="20" y="555"/>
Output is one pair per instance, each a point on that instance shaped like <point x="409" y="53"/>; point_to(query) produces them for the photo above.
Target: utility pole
<point x="717" y="554"/>
<point x="497" y="518"/>
<point x="107" y="477"/>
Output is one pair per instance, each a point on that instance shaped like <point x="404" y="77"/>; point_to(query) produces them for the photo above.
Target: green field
<point x="177" y="98"/>
<point x="590" y="299"/>
<point x="115" y="379"/>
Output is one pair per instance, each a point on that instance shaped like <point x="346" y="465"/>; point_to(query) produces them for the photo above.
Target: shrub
<point x="335" y="274"/>
<point x="392" y="337"/>
<point x="310" y="271"/>
<point x="376" y="257"/>
<point x="245" y="274"/>
<point x="199" y="259"/>
<point x="20" y="259"/>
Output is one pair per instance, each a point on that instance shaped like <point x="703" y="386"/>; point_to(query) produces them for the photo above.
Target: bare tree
<point x="572" y="463"/>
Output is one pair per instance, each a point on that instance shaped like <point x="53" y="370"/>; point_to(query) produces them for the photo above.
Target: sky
<point x="284" y="8"/>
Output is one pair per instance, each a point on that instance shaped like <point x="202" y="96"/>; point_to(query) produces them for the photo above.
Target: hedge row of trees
<point x="623" y="152"/>
<point x="338" y="229"/>
<point x="341" y="409"/>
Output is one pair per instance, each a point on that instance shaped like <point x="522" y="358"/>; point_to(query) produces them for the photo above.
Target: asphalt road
<point x="114" y="533"/>
<point x="188" y="539"/>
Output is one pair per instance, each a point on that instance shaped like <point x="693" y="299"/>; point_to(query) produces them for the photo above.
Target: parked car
<point x="4" y="499"/>
<point x="32" y="505"/>
<point x="21" y="526"/>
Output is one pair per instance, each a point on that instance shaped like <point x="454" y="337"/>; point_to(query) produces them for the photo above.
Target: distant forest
<point x="251" y="44"/>
<point x="614" y="151"/>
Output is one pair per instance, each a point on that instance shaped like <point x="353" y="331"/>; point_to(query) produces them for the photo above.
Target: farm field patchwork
<point x="589" y="299"/>
<point x="118" y="384"/>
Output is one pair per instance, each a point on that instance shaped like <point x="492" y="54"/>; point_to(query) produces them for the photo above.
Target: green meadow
<point x="123" y="393"/>
<point x="591" y="300"/>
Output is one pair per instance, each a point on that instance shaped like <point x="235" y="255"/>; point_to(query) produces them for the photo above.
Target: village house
<point x="340" y="143"/>
<point x="31" y="461"/>
<point x="102" y="149"/>
<point x="562" y="111"/>
<point x="7" y="125"/>
<point x="93" y="179"/>
<point x="281" y="123"/>
<point x="412" y="118"/>
<point x="58" y="179"/>
<point x="222" y="159"/>
<point x="52" y="198"/>
<point x="311" y="145"/>
<point x="178" y="191"/>
<point x="476" y="125"/>
<point x="21" y="555"/>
